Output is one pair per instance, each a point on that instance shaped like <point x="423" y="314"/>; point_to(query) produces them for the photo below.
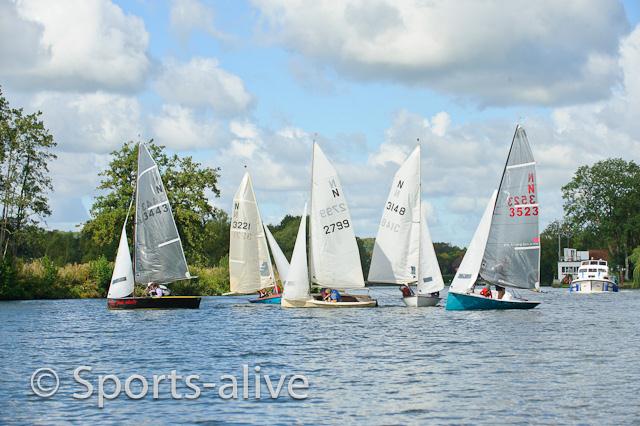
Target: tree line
<point x="601" y="210"/>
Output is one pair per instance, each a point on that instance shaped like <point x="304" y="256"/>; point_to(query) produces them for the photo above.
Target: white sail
<point x="296" y="285"/>
<point x="429" y="271"/>
<point x="249" y="263"/>
<point x="334" y="256"/>
<point x="122" y="278"/>
<point x="470" y="266"/>
<point x="397" y="246"/>
<point x="282" y="264"/>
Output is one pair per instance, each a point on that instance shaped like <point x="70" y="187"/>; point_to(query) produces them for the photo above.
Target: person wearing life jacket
<point x="406" y="290"/>
<point x="486" y="291"/>
<point x="334" y="296"/>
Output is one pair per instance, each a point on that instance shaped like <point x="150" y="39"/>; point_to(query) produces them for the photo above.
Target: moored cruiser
<point x="593" y="277"/>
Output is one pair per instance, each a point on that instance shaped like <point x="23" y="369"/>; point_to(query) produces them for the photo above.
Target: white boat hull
<point x="592" y="286"/>
<point x="357" y="302"/>
<point x="420" y="301"/>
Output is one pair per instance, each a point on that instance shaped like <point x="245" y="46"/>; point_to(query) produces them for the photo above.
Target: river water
<point x="575" y="359"/>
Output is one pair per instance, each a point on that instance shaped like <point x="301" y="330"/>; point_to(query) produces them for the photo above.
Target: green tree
<point x="216" y="245"/>
<point x="285" y="233"/>
<point x="187" y="183"/>
<point x="25" y="151"/>
<point x="602" y="201"/>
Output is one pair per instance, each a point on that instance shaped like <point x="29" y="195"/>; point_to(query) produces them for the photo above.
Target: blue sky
<point x="235" y="83"/>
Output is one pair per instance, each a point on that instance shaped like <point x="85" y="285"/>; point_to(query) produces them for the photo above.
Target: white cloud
<point x="181" y="128"/>
<point x="74" y="177"/>
<point x="97" y="122"/>
<point x="202" y="83"/>
<point x="187" y="16"/>
<point x="492" y="52"/>
<point x="78" y="45"/>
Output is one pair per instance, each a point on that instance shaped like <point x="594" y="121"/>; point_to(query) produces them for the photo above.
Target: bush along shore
<point x="43" y="279"/>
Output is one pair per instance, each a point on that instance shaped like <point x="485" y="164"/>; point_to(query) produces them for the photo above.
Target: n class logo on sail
<point x="398" y="188"/>
<point x="334" y="187"/>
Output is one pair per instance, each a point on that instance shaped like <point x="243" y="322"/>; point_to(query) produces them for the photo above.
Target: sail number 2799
<point x="333" y="227"/>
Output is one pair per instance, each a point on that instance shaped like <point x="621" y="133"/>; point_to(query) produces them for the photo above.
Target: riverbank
<point x="42" y="279"/>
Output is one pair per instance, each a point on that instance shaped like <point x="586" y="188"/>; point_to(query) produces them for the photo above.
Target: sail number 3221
<point x="333" y="227"/>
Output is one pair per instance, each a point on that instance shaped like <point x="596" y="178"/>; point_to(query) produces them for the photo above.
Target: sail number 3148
<point x="395" y="208"/>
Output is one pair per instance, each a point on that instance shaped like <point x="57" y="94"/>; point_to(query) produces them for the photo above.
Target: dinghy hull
<point x="165" y="302"/>
<point x="475" y="302"/>
<point x="274" y="299"/>
<point x="351" y="302"/>
<point x="419" y="301"/>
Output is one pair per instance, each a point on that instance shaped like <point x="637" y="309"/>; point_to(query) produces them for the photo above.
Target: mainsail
<point x="334" y="256"/>
<point x="158" y="249"/>
<point x="122" y="278"/>
<point x="397" y="245"/>
<point x="429" y="276"/>
<point x="282" y="264"/>
<point x="512" y="253"/>
<point x="296" y="285"/>
<point x="249" y="261"/>
<point x="470" y="267"/>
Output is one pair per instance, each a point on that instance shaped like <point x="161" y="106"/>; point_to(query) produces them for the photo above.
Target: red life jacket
<point x="486" y="292"/>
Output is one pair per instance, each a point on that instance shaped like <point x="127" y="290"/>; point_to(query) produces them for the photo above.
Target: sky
<point x="253" y="83"/>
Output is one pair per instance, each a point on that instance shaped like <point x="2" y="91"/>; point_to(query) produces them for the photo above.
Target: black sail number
<point x="337" y="226"/>
<point x="238" y="224"/>
<point x="153" y="211"/>
<point x="395" y="208"/>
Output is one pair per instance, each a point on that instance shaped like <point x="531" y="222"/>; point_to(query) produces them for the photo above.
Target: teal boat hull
<point x="472" y="302"/>
<point x="269" y="300"/>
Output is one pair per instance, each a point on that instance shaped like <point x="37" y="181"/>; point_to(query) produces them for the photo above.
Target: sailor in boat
<point x="406" y="291"/>
<point x="157" y="290"/>
<point x="486" y="291"/>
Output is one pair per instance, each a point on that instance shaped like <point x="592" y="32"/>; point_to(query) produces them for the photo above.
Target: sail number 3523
<point x="523" y="211"/>
<point x="333" y="227"/>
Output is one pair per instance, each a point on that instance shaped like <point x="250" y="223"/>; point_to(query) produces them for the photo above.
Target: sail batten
<point x="159" y="256"/>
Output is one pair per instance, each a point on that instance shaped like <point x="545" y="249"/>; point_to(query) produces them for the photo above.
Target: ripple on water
<point x="390" y="365"/>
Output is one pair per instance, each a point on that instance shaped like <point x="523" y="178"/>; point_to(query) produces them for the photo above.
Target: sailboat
<point x="250" y="268"/>
<point x="334" y="258"/>
<point x="159" y="257"/>
<point x="403" y="252"/>
<point x="505" y="249"/>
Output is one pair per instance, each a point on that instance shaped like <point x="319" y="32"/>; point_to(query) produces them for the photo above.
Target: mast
<point x="310" y="267"/>
<point x="420" y="224"/>
<point x="135" y="218"/>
